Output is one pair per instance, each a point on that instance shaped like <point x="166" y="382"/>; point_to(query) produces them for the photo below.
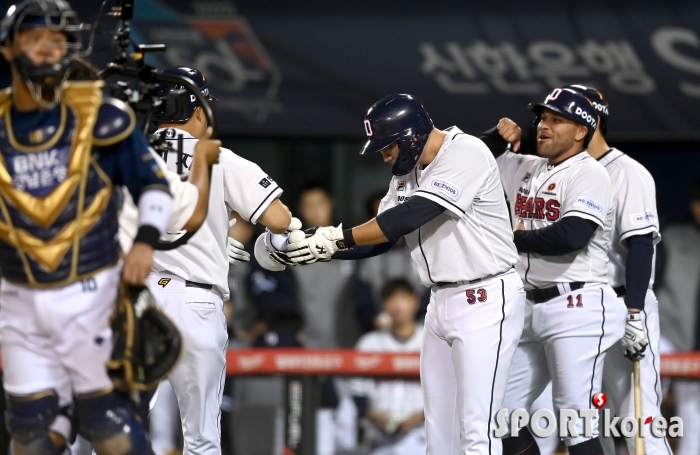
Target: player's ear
<point x="5" y="51"/>
<point x="581" y="133"/>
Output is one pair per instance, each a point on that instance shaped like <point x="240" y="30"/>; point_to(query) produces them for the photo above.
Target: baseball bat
<point x="638" y="441"/>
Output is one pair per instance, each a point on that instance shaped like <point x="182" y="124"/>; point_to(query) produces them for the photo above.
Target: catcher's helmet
<point x="600" y="104"/>
<point x="195" y="76"/>
<point x="572" y="105"/>
<point x="56" y="15"/>
<point x="398" y="118"/>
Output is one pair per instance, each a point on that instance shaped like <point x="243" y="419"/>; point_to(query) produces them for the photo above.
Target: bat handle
<point x="638" y="441"/>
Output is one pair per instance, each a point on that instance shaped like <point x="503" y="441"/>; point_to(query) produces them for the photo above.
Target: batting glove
<point x="320" y="244"/>
<point x="635" y="341"/>
<point x="302" y="256"/>
<point x="236" y="253"/>
<point x="276" y="244"/>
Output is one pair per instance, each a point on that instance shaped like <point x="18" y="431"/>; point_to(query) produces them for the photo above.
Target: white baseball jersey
<point x="472" y="238"/>
<point x="634" y="193"/>
<point x="541" y="194"/>
<point x="236" y="185"/>
<point x="185" y="196"/>
<point x="399" y="397"/>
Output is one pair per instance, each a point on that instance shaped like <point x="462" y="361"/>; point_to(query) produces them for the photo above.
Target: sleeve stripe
<point x="651" y="226"/>
<point x="442" y="198"/>
<point x="600" y="222"/>
<point x="275" y="192"/>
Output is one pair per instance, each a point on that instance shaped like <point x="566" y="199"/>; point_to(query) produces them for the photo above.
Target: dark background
<point x="294" y="79"/>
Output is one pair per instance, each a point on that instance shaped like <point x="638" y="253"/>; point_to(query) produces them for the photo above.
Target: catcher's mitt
<point x="147" y="344"/>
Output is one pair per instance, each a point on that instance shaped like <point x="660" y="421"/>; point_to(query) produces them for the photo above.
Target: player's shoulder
<point x="458" y="140"/>
<point x="115" y="122"/>
<point x="590" y="166"/>
<point x="230" y="160"/>
<point x="622" y="166"/>
<point x="371" y="341"/>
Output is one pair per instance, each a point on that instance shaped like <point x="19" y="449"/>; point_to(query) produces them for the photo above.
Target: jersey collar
<point x="582" y="155"/>
<point x="609" y="156"/>
<point x="172" y="133"/>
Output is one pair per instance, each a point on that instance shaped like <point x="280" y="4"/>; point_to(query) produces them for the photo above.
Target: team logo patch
<point x="551" y="186"/>
<point x="36" y="136"/>
<point x="164" y="282"/>
<point x="453" y="191"/>
<point x="401" y="186"/>
<point x="590" y="204"/>
<point x="527" y="177"/>
<point x="267" y="181"/>
<point x="643" y="218"/>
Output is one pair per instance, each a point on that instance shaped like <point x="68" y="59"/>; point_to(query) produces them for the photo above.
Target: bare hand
<point x="521" y="226"/>
<point x="510" y="131"/>
<point x="137" y="264"/>
<point x="411" y="422"/>
<point x="381" y="419"/>
<point x="208" y="147"/>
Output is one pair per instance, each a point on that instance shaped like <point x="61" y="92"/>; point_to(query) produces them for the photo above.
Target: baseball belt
<point x="541" y="295"/>
<point x="194" y="284"/>
<point x="442" y="284"/>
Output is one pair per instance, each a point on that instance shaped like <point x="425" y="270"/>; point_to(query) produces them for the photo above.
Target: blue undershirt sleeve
<point x="638" y="269"/>
<point x="563" y="237"/>
<point x="407" y="217"/>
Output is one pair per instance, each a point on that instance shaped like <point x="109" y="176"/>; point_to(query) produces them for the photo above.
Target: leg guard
<point x="28" y="420"/>
<point x="523" y="444"/>
<point x="109" y="422"/>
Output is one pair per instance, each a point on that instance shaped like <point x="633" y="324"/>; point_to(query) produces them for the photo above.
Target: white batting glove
<point x="276" y="245"/>
<point x="321" y="245"/>
<point x="635" y="340"/>
<point x="236" y="253"/>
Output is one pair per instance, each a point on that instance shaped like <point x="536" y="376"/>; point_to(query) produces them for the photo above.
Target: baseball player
<point x="562" y="208"/>
<point x="446" y="200"/>
<point x="630" y="272"/>
<point x="64" y="148"/>
<point x="190" y="282"/>
<point x="190" y="197"/>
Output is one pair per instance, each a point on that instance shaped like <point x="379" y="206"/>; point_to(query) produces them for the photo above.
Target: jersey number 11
<point x="579" y="301"/>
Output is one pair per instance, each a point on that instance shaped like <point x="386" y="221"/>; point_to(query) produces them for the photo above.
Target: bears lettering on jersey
<point x="538" y="208"/>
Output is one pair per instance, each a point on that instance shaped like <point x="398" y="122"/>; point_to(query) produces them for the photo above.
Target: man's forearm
<point x="638" y="270"/>
<point x="200" y="177"/>
<point x="563" y="237"/>
<point x="368" y="234"/>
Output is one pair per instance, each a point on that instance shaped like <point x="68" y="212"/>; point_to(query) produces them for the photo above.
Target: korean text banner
<point x="312" y="68"/>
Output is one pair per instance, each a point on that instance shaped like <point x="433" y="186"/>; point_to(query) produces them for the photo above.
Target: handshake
<point x="296" y="247"/>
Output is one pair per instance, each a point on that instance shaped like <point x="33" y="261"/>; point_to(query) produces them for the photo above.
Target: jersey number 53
<point x="476" y="294"/>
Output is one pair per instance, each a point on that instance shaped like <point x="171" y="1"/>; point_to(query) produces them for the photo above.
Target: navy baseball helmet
<point x="163" y="89"/>
<point x="398" y="118"/>
<point x="572" y="105"/>
<point x="598" y="101"/>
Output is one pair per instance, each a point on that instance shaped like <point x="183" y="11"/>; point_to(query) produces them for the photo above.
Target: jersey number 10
<point x="579" y="301"/>
<point x="476" y="294"/>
